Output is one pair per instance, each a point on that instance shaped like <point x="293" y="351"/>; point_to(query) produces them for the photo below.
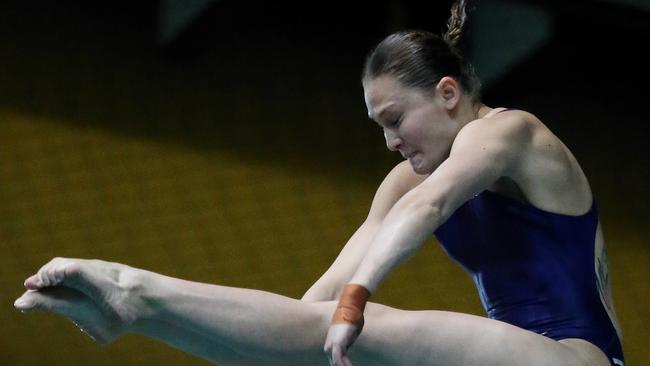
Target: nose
<point x="393" y="142"/>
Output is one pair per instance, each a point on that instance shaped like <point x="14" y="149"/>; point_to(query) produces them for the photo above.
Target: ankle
<point x="138" y="300"/>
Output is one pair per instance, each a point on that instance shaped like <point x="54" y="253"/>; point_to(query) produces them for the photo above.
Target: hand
<point x="93" y="294"/>
<point x="339" y="338"/>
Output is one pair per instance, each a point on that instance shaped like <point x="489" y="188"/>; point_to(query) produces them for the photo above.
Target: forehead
<point x="383" y="92"/>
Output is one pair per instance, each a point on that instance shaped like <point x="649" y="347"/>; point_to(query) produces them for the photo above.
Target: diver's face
<point x="415" y="123"/>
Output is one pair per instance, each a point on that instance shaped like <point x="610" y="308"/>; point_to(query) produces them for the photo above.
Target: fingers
<point x="345" y="361"/>
<point x="329" y="350"/>
<point x="338" y="357"/>
<point x="339" y="338"/>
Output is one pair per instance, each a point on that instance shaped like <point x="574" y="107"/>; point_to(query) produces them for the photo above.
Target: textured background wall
<point x="247" y="159"/>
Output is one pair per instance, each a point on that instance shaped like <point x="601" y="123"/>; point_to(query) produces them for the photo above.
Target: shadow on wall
<point x="276" y="104"/>
<point x="267" y="89"/>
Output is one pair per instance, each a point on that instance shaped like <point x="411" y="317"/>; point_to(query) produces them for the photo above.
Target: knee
<point x="320" y="312"/>
<point x="377" y="310"/>
<point x="379" y="314"/>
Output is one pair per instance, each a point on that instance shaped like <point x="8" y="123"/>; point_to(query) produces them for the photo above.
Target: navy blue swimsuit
<point x="533" y="269"/>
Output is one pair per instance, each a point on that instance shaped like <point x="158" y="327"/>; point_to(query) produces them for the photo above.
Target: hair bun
<point x="455" y="24"/>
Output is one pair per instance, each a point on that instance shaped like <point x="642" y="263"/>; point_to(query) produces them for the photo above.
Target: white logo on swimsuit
<point x="618" y="362"/>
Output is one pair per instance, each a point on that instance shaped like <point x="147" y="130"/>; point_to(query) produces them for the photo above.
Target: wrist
<point x="368" y="276"/>
<point x="351" y="305"/>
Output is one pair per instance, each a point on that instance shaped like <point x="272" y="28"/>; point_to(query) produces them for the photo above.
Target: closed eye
<point x="396" y="122"/>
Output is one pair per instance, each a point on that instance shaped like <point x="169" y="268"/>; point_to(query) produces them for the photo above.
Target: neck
<point x="468" y="112"/>
<point x="481" y="110"/>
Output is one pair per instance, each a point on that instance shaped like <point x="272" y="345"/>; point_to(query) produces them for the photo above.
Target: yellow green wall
<point x="245" y="169"/>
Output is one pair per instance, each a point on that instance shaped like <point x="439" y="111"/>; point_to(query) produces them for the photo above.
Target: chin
<point x="424" y="166"/>
<point x="422" y="171"/>
<point x="420" y="168"/>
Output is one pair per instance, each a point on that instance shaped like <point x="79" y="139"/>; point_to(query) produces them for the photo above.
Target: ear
<point x="449" y="92"/>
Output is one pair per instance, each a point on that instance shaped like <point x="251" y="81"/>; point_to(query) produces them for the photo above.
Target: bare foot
<point x="95" y="295"/>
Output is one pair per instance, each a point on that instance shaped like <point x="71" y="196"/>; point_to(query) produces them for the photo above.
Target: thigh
<point x="398" y="337"/>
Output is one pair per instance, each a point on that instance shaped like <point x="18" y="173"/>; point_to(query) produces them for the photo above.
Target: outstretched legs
<point x="233" y="326"/>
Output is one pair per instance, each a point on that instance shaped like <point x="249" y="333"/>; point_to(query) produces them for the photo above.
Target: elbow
<point x="432" y="214"/>
<point x="423" y="207"/>
<point x="316" y="296"/>
<point x="418" y="209"/>
<point x="325" y="289"/>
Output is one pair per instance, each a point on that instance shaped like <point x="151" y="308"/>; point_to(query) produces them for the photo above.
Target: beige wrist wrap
<point x="351" y="305"/>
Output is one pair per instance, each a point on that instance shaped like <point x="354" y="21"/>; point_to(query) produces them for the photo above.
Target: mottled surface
<point x="251" y="162"/>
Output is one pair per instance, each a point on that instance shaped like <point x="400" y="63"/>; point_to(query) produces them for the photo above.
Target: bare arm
<point x="482" y="153"/>
<point x="399" y="181"/>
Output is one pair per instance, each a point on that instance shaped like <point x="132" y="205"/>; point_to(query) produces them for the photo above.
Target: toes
<point x="33" y="282"/>
<point x="54" y="273"/>
<point x="57" y="273"/>
<point x="32" y="301"/>
<point x="73" y="305"/>
<point x="70" y="270"/>
<point x="23" y="304"/>
<point x="50" y="299"/>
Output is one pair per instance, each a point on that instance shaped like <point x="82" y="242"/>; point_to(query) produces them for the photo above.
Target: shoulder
<point x="505" y="136"/>
<point x="512" y="126"/>
<point x="542" y="167"/>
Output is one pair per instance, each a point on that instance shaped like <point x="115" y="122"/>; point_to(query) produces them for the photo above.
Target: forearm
<point x="402" y="233"/>
<point x="330" y="284"/>
<point x="325" y="289"/>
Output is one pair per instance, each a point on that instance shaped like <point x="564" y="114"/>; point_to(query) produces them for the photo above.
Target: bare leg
<point x="239" y="326"/>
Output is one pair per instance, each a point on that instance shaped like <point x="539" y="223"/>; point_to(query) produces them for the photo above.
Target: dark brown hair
<point x="420" y="59"/>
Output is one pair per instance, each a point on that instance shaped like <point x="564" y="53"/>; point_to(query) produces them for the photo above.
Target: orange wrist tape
<point x="351" y="305"/>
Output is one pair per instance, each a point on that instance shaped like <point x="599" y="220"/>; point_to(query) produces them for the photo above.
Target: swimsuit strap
<point x="495" y="111"/>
